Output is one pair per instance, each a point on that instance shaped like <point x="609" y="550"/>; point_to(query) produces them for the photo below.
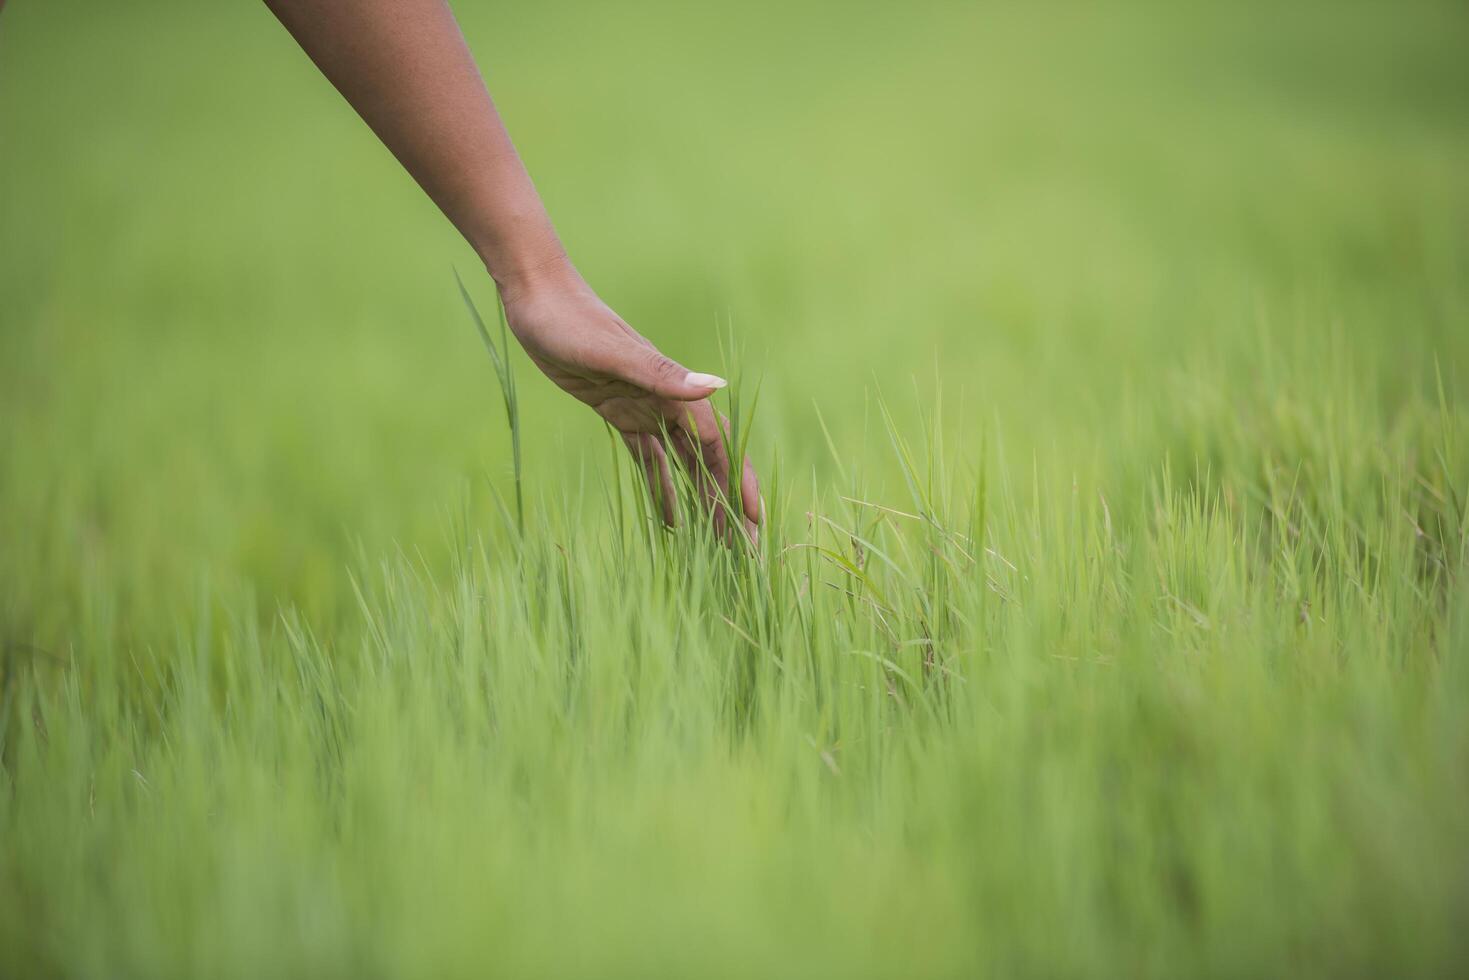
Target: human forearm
<point x="404" y="66"/>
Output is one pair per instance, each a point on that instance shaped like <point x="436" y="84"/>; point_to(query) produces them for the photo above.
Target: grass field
<point x="1113" y="419"/>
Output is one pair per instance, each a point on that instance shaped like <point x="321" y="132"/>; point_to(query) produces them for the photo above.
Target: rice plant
<point x="1110" y="616"/>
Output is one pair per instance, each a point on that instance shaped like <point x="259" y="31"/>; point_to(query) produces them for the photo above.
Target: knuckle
<point x="664" y="366"/>
<point x="711" y="430"/>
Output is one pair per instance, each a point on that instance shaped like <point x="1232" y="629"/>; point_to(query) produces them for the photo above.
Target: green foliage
<point x="1110" y="618"/>
<point x="505" y="375"/>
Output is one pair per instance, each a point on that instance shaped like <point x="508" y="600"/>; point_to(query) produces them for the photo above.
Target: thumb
<point x="666" y="378"/>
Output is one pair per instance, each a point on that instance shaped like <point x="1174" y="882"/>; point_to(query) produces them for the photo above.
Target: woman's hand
<point x="405" y="68"/>
<point x="656" y="404"/>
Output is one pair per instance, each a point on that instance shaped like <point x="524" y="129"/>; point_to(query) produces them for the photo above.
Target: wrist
<point x="551" y="269"/>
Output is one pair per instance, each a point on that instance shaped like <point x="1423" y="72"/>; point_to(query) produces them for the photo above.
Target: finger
<point x="712" y="436"/>
<point x="648" y="451"/>
<point x="652" y="371"/>
<point x="704" y="476"/>
<point x="748" y="507"/>
<point x="712" y="432"/>
<point x="750" y="495"/>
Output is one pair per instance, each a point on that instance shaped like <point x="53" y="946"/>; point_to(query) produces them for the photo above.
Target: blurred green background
<point x="1188" y="277"/>
<point x="230" y="342"/>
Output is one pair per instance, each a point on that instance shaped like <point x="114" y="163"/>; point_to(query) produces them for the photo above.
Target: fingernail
<point x="753" y="530"/>
<point x="704" y="380"/>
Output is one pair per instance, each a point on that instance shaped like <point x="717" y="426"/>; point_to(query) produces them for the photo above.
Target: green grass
<point x="1112" y="618"/>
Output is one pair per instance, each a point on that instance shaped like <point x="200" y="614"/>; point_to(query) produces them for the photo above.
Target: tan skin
<point x="404" y="66"/>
